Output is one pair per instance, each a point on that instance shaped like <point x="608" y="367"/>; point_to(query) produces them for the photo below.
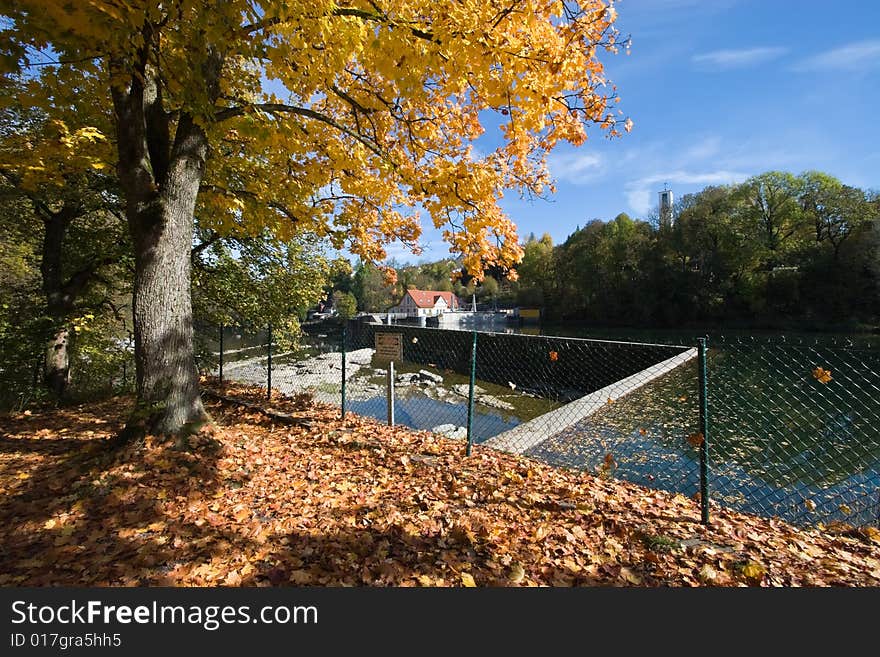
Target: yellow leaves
<point x="810" y="504"/>
<point x="753" y="572"/>
<point x="23" y="475"/>
<point x="467" y="580"/>
<point x="845" y="508"/>
<point x="822" y="375"/>
<point x="384" y="119"/>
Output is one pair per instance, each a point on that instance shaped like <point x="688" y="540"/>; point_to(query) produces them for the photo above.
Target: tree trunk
<point x="162" y="230"/>
<point x="161" y="179"/>
<point x="56" y="369"/>
<point x="56" y="364"/>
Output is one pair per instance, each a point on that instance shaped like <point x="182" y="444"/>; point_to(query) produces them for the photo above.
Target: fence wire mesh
<point x="259" y="356"/>
<point x="793" y="428"/>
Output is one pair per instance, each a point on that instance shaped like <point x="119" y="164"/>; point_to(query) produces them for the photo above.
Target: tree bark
<point x="56" y="368"/>
<point x="162" y="230"/>
<point x="56" y="364"/>
<point x="161" y="177"/>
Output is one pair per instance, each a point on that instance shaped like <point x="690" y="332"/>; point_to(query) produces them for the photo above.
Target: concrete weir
<point x="532" y="433"/>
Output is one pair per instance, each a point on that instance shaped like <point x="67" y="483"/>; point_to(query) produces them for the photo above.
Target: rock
<point x="430" y="376"/>
<point x="406" y="378"/>
<point x="463" y="389"/>
<point x="451" y="431"/>
<point x="494" y="402"/>
<point x="380" y="372"/>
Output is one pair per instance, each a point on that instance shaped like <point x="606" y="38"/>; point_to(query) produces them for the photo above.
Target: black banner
<point x="407" y="621"/>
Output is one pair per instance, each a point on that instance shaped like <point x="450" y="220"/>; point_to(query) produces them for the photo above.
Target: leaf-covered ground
<point x="331" y="502"/>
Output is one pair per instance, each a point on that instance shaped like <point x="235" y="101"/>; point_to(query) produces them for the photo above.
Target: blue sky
<point x="718" y="90"/>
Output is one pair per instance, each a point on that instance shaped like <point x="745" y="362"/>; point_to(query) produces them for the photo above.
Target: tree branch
<point x="278" y="108"/>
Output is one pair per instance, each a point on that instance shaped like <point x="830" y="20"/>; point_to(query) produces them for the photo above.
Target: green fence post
<point x="344" y="333"/>
<point x="704" y="430"/>
<point x="269" y="365"/>
<point x="470" y="415"/>
<point x="221" y="354"/>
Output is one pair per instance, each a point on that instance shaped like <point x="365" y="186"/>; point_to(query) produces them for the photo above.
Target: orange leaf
<point x="695" y="439"/>
<point x="822" y="375"/>
<point x="554" y="356"/>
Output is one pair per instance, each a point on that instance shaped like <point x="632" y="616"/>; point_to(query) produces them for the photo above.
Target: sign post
<point x="389" y="348"/>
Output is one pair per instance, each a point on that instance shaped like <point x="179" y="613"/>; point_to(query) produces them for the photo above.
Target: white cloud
<point x="726" y="59"/>
<point x="707" y="147"/>
<point x="853" y="57"/>
<point x="575" y="167"/>
<point x="641" y="194"/>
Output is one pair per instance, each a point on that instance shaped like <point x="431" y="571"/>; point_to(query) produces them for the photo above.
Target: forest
<point x="778" y="250"/>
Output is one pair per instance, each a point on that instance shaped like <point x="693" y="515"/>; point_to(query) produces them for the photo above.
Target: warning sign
<point x="389" y="347"/>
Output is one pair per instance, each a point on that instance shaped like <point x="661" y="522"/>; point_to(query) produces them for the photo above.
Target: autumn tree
<point x="321" y="116"/>
<point x="56" y="176"/>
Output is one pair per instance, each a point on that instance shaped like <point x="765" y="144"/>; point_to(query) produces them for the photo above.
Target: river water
<point x="784" y="439"/>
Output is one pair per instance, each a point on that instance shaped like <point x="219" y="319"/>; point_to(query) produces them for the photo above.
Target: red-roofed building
<point x="426" y="303"/>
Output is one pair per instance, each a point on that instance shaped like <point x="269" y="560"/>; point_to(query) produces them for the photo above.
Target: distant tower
<point x="666" y="217"/>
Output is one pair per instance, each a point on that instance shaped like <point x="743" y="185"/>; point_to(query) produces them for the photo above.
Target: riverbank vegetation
<point x="778" y="250"/>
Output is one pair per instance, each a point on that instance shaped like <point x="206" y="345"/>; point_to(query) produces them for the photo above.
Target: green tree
<point x="371" y="288"/>
<point x="345" y="304"/>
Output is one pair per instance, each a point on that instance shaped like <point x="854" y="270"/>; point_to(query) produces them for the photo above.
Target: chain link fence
<point x="773" y="427"/>
<point x="795" y="428"/>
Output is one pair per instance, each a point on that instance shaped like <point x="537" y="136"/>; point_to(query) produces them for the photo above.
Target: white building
<point x="426" y="303"/>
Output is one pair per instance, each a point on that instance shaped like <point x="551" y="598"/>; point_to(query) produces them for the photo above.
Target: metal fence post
<point x="269" y="364"/>
<point x="704" y="430"/>
<point x="470" y="415"/>
<point x="344" y="335"/>
<point x="390" y="393"/>
<point x="221" y="353"/>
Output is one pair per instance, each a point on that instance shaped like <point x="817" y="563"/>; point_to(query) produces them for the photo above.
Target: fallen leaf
<point x="467" y="580"/>
<point x="753" y="572"/>
<point x="629" y="576"/>
<point x="708" y="573"/>
<point x="822" y="375"/>
<point x="517" y="573"/>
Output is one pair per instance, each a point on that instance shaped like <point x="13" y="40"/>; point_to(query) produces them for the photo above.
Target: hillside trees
<point x="777" y="249"/>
